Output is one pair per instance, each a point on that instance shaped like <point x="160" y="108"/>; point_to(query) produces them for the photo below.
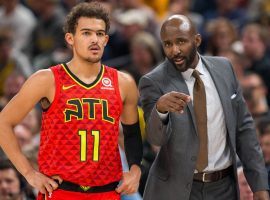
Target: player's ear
<point x="69" y="38"/>
<point x="106" y="40"/>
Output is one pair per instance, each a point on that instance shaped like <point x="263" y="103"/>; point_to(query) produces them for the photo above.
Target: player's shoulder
<point x="125" y="78"/>
<point x="39" y="83"/>
<point x="127" y="85"/>
<point x="41" y="79"/>
<point x="43" y="75"/>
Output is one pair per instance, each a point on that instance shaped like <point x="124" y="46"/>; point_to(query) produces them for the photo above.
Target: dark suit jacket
<point x="171" y="175"/>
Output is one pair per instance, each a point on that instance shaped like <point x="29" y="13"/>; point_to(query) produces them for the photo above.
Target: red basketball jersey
<point x="79" y="134"/>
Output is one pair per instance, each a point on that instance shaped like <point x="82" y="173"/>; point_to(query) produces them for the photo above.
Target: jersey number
<point x="83" y="137"/>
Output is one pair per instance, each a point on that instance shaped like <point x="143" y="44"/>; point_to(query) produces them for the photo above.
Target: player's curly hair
<point x="90" y="10"/>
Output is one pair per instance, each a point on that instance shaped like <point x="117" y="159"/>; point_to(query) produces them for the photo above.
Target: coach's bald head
<point x="180" y="41"/>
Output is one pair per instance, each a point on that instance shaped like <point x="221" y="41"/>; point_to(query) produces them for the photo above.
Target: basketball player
<point x="83" y="102"/>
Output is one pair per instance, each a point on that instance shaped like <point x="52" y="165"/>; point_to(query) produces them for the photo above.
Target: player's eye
<point x="100" y="34"/>
<point x="86" y="33"/>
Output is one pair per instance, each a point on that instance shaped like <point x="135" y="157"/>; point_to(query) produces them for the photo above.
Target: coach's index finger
<point x="184" y="97"/>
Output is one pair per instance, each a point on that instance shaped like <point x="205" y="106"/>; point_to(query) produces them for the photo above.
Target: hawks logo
<point x="107" y="84"/>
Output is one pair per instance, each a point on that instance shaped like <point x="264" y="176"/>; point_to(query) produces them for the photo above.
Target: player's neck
<point x="85" y="71"/>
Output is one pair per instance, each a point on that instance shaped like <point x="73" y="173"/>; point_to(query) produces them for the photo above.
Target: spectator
<point x="222" y="34"/>
<point x="117" y="45"/>
<point x="143" y="11"/>
<point x="228" y="9"/>
<point x="145" y="54"/>
<point x="238" y="61"/>
<point x="255" y="94"/>
<point x="12" y="85"/>
<point x="24" y="136"/>
<point x="10" y="60"/>
<point x="132" y="22"/>
<point x="20" y="20"/>
<point x="255" y="40"/>
<point x="12" y="185"/>
<point x="48" y="34"/>
<point x="32" y="120"/>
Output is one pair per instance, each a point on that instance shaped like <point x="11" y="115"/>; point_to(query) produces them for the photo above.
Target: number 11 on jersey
<point x="83" y="136"/>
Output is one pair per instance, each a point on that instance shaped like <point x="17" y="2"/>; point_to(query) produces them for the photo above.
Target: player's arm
<point x="38" y="86"/>
<point x="132" y="134"/>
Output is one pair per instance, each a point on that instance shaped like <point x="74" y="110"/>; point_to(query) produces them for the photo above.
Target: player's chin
<point x="94" y="59"/>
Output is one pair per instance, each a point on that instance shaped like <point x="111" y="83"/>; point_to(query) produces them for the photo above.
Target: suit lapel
<point x="222" y="89"/>
<point x="178" y="84"/>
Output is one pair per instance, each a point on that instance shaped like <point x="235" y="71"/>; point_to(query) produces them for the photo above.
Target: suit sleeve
<point x="247" y="145"/>
<point x="157" y="130"/>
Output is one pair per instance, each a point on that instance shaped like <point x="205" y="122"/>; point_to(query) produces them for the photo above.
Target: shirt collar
<point x="188" y="73"/>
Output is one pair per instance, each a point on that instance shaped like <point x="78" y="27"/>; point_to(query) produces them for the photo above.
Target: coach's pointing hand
<point x="172" y="102"/>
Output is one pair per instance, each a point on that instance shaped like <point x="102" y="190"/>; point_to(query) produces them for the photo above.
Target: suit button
<point x="188" y="186"/>
<point x="193" y="158"/>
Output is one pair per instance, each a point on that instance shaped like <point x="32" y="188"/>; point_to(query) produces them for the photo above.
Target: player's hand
<point x="172" y="102"/>
<point x="130" y="182"/>
<point x="261" y="195"/>
<point x="41" y="182"/>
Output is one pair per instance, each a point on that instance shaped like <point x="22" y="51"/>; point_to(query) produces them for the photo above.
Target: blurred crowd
<point x="31" y="38"/>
